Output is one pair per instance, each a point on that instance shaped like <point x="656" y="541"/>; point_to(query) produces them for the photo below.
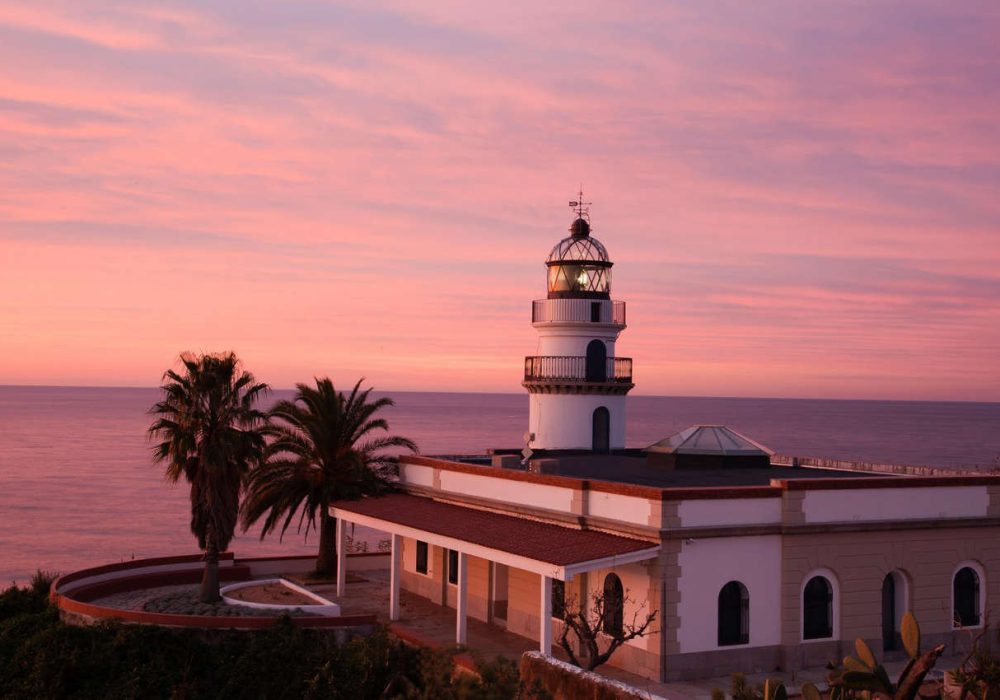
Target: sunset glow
<point x="800" y="199"/>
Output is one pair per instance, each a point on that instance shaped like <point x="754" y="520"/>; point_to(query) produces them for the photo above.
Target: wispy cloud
<point x="800" y="199"/>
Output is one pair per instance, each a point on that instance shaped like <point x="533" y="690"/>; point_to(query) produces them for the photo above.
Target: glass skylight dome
<point x="579" y="266"/>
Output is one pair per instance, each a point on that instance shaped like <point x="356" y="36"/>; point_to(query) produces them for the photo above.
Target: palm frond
<point x="315" y="455"/>
<point x="207" y="429"/>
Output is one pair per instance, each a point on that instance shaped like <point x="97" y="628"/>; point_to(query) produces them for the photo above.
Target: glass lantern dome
<point x="578" y="266"/>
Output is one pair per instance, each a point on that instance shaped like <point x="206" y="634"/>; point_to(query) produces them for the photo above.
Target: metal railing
<point x="576" y="369"/>
<point x="577" y="310"/>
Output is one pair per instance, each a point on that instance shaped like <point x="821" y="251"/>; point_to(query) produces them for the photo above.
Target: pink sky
<point x="801" y="199"/>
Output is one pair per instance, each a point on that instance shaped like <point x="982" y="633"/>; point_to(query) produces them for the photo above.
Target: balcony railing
<point x="578" y="310"/>
<point x="571" y="368"/>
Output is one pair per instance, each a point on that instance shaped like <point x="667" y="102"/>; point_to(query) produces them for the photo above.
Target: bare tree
<point x="601" y="626"/>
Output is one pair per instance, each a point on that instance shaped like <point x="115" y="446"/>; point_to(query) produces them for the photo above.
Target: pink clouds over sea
<point x="800" y="198"/>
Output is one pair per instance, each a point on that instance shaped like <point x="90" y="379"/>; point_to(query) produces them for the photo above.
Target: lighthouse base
<point x="577" y="421"/>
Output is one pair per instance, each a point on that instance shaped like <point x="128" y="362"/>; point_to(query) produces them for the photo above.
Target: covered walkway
<point x="427" y="624"/>
<point x="551" y="551"/>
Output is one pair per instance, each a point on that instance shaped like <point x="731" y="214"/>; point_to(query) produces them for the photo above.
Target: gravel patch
<point x="187" y="603"/>
<point x="135" y="600"/>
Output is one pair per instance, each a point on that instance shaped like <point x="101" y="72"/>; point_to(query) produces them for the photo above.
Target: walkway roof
<point x="544" y="548"/>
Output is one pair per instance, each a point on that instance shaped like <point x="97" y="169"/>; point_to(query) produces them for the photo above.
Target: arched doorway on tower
<point x="602" y="430"/>
<point x="597" y="361"/>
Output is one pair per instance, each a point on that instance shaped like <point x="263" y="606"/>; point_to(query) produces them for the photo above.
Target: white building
<point x="750" y="565"/>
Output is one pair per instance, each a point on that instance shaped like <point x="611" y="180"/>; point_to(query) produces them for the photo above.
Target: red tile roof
<point x="560" y="546"/>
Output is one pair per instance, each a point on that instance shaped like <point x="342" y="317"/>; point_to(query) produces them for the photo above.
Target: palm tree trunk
<point x="326" y="561"/>
<point x="210" y="579"/>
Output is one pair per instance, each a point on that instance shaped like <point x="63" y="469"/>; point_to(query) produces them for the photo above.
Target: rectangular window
<point x="452" y="566"/>
<point x="595" y="312"/>
<point x="421" y="557"/>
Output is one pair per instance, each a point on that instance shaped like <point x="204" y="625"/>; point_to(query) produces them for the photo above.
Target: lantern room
<point x="578" y="266"/>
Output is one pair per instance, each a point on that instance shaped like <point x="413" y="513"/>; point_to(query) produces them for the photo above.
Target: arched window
<point x="895" y="602"/>
<point x="889" y="631"/>
<point x="614" y="604"/>
<point x="817" y="609"/>
<point x="734" y="614"/>
<point x="965" y="593"/>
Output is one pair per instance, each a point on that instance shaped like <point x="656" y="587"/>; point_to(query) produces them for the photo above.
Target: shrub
<point x="42" y="657"/>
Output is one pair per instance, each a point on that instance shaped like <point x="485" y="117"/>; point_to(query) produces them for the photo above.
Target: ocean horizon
<point x="80" y="488"/>
<point x="632" y="394"/>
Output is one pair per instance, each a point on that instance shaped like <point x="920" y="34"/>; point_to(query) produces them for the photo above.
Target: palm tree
<point x="209" y="432"/>
<point x="323" y="448"/>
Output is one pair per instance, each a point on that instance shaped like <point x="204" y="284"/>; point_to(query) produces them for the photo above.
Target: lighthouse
<point x="576" y="383"/>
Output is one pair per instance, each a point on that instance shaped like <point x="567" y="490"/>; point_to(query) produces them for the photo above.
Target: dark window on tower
<point x="452" y="566"/>
<point x="601" y="440"/>
<point x="817" y="609"/>
<point x="965" y="589"/>
<point x="595" y="312"/>
<point x="421" y="557"/>
<point x="597" y="361"/>
<point x="734" y="614"/>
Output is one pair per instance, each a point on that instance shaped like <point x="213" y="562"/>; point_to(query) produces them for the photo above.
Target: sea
<point x="78" y="486"/>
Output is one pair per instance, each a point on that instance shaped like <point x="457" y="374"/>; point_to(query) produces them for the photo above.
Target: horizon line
<point x="512" y="393"/>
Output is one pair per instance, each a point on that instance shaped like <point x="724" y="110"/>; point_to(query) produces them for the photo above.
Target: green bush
<point x="41" y="657"/>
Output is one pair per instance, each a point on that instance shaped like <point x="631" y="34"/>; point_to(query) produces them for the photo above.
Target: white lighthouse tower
<point x="576" y="383"/>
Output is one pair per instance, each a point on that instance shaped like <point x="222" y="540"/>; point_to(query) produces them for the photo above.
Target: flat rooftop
<point x="631" y="468"/>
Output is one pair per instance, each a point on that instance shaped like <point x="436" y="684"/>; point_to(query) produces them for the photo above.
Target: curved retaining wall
<point x="73" y="593"/>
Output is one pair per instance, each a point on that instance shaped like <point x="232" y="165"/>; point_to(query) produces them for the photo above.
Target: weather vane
<point x="581" y="207"/>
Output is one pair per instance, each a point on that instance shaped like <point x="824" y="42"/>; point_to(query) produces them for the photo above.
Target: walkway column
<point x="545" y="626"/>
<point x="394" y="573"/>
<point x="341" y="556"/>
<point x="461" y="605"/>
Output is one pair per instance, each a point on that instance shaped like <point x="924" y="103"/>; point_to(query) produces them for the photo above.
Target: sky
<point x="800" y="199"/>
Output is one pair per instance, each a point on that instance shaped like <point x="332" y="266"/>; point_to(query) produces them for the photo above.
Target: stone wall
<point x="566" y="682"/>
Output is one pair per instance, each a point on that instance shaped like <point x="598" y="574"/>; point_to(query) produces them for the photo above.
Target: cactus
<point x="910" y="631"/>
<point x="771" y="689"/>
<point x="774" y="690"/>
<point x="810" y="692"/>
<point x="863" y="677"/>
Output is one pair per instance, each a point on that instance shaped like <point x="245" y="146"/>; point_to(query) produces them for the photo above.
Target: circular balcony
<point x="577" y="374"/>
<point x="576" y="311"/>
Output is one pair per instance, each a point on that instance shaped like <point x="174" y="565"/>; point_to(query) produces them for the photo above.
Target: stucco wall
<point x="536" y="495"/>
<point x="573" y="340"/>
<point x="429" y="585"/>
<point x="718" y="512"/>
<point x="615" y="506"/>
<point x="524" y="591"/>
<point x="706" y="565"/>
<point x="642" y="592"/>
<point x="565" y="421"/>
<point x="895" y="504"/>
<point x="927" y="558"/>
